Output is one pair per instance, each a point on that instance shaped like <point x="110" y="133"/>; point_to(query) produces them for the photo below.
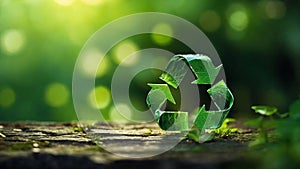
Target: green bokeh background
<point x="258" y="43"/>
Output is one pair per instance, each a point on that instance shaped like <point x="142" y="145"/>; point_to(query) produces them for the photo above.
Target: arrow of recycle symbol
<point x="206" y="73"/>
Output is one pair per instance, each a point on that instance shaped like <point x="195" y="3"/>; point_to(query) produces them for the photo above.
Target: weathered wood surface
<point x="65" y="145"/>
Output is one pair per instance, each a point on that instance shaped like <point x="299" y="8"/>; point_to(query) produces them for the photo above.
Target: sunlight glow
<point x="92" y="2"/>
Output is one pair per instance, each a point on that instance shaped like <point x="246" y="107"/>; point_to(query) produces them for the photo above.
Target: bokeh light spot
<point x="275" y="9"/>
<point x="7" y="97"/>
<point x="100" y="97"/>
<point x="123" y="50"/>
<point x="238" y="20"/>
<point x="12" y="41"/>
<point x="210" y="21"/>
<point x="165" y="29"/>
<point x="91" y="64"/>
<point x="64" y="2"/>
<point x="56" y="95"/>
<point x="103" y="67"/>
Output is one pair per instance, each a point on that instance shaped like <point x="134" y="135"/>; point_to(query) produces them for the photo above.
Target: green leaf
<point x="205" y="73"/>
<point x="175" y="72"/>
<point x="165" y="89"/>
<point x="264" y="110"/>
<point x="155" y="100"/>
<point x="221" y="95"/>
<point x="194" y="135"/>
<point x="209" y="119"/>
<point x="203" y="68"/>
<point x="223" y="99"/>
<point x="173" y="121"/>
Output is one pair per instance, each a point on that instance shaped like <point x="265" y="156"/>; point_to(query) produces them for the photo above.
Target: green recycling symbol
<point x="205" y="73"/>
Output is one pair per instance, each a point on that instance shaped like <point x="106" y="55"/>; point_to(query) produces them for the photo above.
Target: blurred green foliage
<point x="258" y="43"/>
<point x="285" y="151"/>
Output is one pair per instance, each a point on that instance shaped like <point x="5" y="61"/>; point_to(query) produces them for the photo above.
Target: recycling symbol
<point x="205" y="73"/>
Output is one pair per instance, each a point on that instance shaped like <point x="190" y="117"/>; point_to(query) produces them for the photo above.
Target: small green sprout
<point x="264" y="110"/>
<point x="261" y="124"/>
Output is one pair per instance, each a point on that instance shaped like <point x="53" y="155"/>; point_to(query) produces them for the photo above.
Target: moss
<point x="225" y="130"/>
<point x="147" y="133"/>
<point x="96" y="148"/>
<point x="24" y="146"/>
<point x="78" y="129"/>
